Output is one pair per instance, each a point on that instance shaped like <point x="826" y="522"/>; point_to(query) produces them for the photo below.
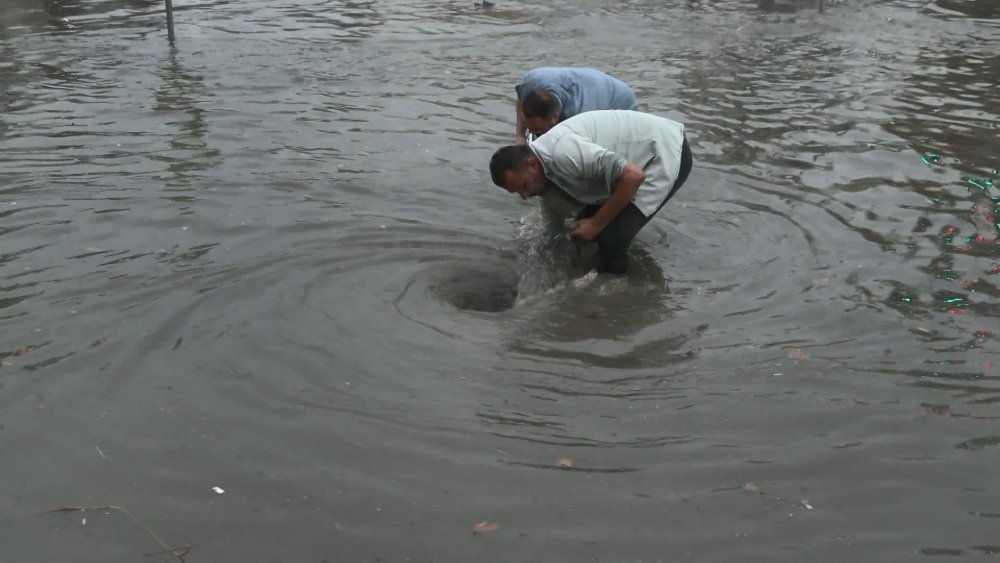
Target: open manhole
<point x="480" y="287"/>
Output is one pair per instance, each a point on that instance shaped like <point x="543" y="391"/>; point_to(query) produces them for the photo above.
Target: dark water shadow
<point x="475" y="286"/>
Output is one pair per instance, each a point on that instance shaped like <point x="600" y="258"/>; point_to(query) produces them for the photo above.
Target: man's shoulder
<point x="545" y="73"/>
<point x="565" y="151"/>
<point x="555" y="138"/>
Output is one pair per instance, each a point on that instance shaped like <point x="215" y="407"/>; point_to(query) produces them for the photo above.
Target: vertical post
<point x="820" y="6"/>
<point x="170" y="21"/>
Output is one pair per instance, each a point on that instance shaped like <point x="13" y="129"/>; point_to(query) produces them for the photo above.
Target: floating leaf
<point x="797" y="354"/>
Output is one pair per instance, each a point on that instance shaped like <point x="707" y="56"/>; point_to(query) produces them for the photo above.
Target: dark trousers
<point x="613" y="242"/>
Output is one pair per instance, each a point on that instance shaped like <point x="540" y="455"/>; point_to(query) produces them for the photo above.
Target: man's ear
<point x="532" y="161"/>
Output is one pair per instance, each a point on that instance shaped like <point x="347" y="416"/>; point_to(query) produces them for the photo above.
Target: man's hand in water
<point x="622" y="193"/>
<point x="586" y="229"/>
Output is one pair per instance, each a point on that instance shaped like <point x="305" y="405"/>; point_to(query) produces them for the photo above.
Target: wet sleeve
<point x="592" y="164"/>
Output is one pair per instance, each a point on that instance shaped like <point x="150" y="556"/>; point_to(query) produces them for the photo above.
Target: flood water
<point x="271" y="260"/>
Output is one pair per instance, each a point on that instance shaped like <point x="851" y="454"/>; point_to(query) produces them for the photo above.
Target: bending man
<point x="612" y="170"/>
<point x="548" y="95"/>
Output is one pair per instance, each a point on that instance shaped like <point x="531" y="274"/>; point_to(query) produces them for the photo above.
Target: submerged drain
<point x="485" y="288"/>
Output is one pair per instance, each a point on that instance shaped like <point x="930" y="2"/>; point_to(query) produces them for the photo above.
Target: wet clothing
<point x="584" y="156"/>
<point x="613" y="242"/>
<point x="578" y="89"/>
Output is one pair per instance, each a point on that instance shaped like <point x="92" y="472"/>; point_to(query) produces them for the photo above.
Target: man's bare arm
<point x="521" y="128"/>
<point x="624" y="190"/>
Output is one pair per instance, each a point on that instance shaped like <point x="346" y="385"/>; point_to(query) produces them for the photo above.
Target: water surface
<point x="270" y="259"/>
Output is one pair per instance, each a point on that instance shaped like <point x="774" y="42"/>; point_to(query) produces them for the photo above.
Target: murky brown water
<point x="271" y="260"/>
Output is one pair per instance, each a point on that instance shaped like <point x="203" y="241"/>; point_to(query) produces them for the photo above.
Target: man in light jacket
<point x="613" y="170"/>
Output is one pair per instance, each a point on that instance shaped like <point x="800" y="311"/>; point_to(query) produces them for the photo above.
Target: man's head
<point x="541" y="110"/>
<point x="516" y="169"/>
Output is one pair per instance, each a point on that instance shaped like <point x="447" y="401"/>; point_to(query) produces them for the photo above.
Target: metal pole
<point x="170" y="21"/>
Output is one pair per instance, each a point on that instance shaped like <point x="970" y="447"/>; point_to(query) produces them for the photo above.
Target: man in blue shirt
<point x="548" y="95"/>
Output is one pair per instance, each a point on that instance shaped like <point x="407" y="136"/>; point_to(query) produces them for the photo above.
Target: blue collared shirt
<point x="579" y="89"/>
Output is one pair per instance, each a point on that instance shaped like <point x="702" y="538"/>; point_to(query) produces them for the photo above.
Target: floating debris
<point x="178" y="552"/>
<point x="797" y="354"/>
<point x="484" y="527"/>
<point x="822" y="281"/>
<point x="982" y="183"/>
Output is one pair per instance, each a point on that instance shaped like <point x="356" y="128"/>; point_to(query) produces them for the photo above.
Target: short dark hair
<point x="541" y="103"/>
<point x="510" y="158"/>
